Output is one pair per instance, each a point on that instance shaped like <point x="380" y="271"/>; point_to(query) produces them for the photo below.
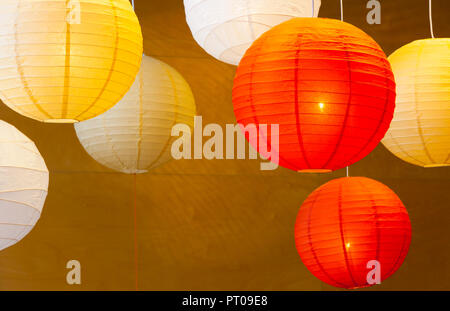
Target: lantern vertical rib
<point x="375" y="216"/>
<point x="347" y="110"/>
<point x="67" y="72"/>
<point x="113" y="62"/>
<point x="343" y="240"/>
<point x="311" y="245"/>
<point x="416" y="108"/>
<point x="20" y="69"/>
<point x="296" y="100"/>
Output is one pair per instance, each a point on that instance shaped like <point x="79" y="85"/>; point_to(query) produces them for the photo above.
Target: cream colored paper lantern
<point x="135" y="135"/>
<point x="420" y="131"/>
<point x="67" y="61"/>
<point x="23" y="185"/>
<point x="226" y="29"/>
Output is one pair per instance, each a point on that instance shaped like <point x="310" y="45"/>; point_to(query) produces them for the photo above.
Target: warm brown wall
<point x="214" y="225"/>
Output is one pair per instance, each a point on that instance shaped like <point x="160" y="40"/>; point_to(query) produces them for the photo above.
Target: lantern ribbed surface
<point x="23" y="185"/>
<point x="328" y="86"/>
<point x="135" y="135"/>
<point x="67" y="61"/>
<point x="226" y="29"/>
<point x="420" y="131"/>
<point x="348" y="222"/>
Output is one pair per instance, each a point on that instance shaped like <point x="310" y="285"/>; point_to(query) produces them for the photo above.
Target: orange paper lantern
<point x="326" y="83"/>
<point x="347" y="223"/>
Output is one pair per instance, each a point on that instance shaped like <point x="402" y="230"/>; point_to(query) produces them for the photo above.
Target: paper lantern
<point x="135" y="135"/>
<point x="23" y="185"/>
<point x="420" y="131"/>
<point x="345" y="224"/>
<point x="67" y="61"/>
<point x="328" y="86"/>
<point x="226" y="29"/>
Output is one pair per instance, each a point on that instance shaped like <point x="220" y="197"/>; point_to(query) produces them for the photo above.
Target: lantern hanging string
<point x="346" y="171"/>
<point x="312" y="14"/>
<point x="135" y="230"/>
<point x="431" y="18"/>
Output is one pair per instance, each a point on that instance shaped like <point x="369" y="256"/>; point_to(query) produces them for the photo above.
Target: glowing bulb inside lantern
<point x="321" y="105"/>
<point x="348" y="245"/>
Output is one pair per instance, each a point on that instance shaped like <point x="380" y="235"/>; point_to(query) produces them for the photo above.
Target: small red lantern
<point x="348" y="223"/>
<point x="327" y="84"/>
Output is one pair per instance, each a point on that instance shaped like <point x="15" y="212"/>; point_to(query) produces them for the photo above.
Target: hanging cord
<point x="346" y="171"/>
<point x="312" y="8"/>
<point x="132" y="3"/>
<point x="135" y="230"/>
<point x="431" y="18"/>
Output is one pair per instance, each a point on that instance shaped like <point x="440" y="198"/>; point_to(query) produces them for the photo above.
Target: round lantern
<point x="420" y="131"/>
<point x="226" y="29"/>
<point x="348" y="223"/>
<point x="23" y="185"/>
<point x="67" y="61"/>
<point x="135" y="135"/>
<point x="328" y="86"/>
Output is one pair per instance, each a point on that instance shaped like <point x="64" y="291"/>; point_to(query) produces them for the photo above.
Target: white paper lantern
<point x="227" y="28"/>
<point x="135" y="135"/>
<point x="23" y="185"/>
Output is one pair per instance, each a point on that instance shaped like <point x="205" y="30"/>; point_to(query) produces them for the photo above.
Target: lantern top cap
<point x="420" y="43"/>
<point x="323" y="20"/>
<point x="319" y="25"/>
<point x="352" y="180"/>
<point x="430" y="40"/>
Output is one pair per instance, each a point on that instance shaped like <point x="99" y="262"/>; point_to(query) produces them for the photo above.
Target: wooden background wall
<point x="214" y="225"/>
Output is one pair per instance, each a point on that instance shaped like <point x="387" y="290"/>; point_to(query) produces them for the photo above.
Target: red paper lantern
<point x="326" y="83"/>
<point x="348" y="222"/>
